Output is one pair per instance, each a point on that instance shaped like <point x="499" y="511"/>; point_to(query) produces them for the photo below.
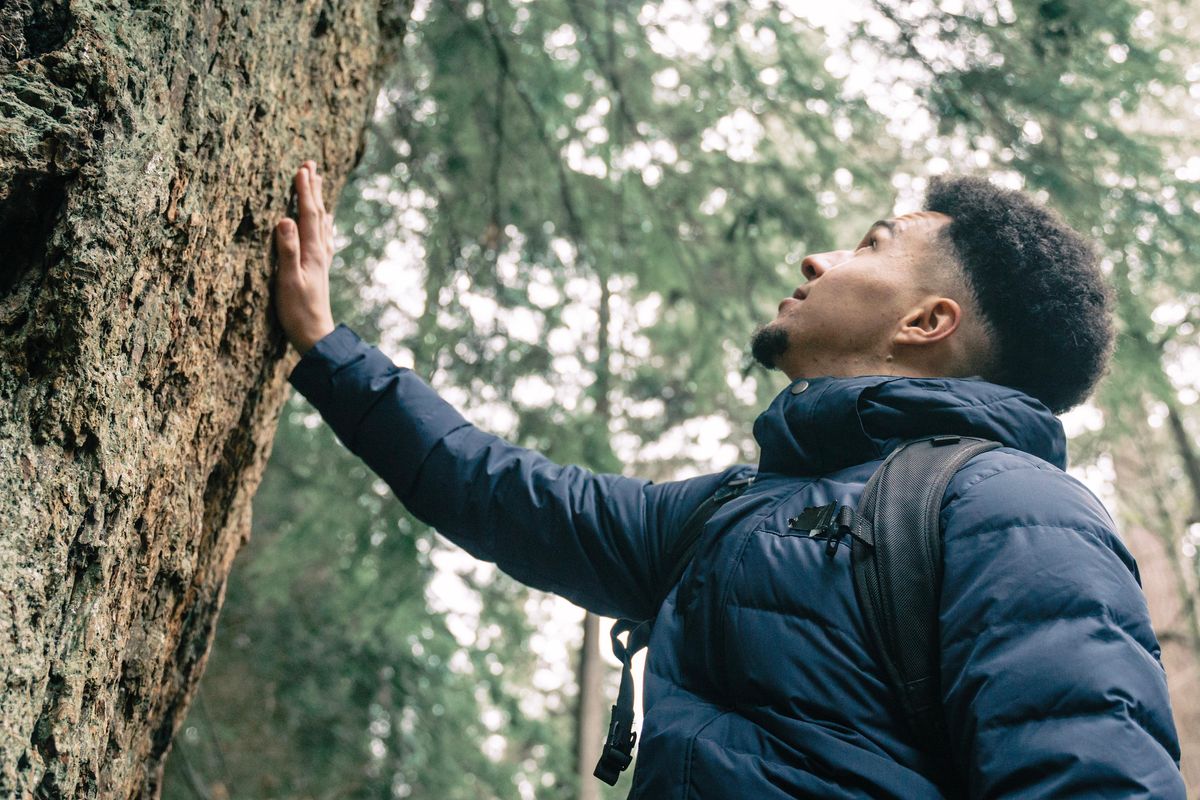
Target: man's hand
<point x="302" y="278"/>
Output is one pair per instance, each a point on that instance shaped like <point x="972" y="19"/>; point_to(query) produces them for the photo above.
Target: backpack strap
<point x="898" y="574"/>
<point x="618" y="748"/>
<point x="896" y="557"/>
<point x="684" y="548"/>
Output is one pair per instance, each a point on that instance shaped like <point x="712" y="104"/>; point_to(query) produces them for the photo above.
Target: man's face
<point x="842" y="321"/>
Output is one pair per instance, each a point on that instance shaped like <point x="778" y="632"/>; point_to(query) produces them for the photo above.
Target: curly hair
<point x="1038" y="286"/>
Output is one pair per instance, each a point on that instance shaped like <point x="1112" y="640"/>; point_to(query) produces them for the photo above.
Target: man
<point x="983" y="315"/>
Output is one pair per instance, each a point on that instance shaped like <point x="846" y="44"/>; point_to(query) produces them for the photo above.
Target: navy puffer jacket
<point x="759" y="682"/>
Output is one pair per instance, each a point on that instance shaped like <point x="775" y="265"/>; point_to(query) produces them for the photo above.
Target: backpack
<point x="896" y="558"/>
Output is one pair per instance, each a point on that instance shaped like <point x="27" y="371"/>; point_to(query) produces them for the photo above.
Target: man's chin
<point x="768" y="344"/>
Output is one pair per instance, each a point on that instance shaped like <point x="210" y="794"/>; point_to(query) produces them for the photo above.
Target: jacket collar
<point x="839" y="422"/>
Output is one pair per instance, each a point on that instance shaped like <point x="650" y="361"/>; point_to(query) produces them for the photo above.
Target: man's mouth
<point x="797" y="296"/>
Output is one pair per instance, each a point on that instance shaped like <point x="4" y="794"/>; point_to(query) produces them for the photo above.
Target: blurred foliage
<point x="539" y="173"/>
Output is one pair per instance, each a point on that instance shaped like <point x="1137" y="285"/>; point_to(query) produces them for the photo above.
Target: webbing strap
<point x="618" y="747"/>
<point x="685" y="546"/>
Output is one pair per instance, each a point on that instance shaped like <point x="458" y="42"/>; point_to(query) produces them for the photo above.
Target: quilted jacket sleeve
<point x="594" y="539"/>
<point x="1051" y="675"/>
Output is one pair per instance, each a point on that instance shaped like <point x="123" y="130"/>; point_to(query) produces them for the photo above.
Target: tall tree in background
<point x="145" y="152"/>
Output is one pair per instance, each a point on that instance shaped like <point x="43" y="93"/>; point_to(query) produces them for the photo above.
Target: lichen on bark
<point x="146" y="150"/>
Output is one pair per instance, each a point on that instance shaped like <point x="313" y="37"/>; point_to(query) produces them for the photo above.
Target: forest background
<point x="569" y="217"/>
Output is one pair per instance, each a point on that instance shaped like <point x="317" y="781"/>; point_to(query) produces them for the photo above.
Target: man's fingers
<point x="286" y="244"/>
<point x="310" y="215"/>
<point x="313" y="231"/>
<point x="316" y="183"/>
<point x="304" y="192"/>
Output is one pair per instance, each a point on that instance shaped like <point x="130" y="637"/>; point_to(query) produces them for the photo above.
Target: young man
<point x="983" y="315"/>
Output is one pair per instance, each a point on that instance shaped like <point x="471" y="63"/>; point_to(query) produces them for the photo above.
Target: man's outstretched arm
<point x="595" y="539"/>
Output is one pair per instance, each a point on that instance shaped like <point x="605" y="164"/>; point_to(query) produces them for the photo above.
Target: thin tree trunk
<point x="1148" y="528"/>
<point x="589" y="720"/>
<point x="145" y="152"/>
<point x="590" y="728"/>
<point x="1187" y="454"/>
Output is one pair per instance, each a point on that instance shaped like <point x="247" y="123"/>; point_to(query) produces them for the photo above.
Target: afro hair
<point x="1038" y="285"/>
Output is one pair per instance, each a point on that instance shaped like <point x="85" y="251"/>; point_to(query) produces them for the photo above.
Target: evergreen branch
<point x="574" y="222"/>
<point x="498" y="150"/>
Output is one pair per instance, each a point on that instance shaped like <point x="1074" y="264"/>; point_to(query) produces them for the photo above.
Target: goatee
<point x="768" y="343"/>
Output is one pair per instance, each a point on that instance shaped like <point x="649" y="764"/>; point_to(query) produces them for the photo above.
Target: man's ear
<point x="932" y="321"/>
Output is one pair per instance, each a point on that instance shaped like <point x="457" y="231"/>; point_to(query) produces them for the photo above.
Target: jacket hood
<point x="819" y="425"/>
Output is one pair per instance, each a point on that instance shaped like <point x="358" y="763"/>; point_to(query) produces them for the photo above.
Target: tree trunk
<point x="1179" y="655"/>
<point x="589" y="716"/>
<point x="591" y="727"/>
<point x="1186" y="449"/>
<point x="1148" y="527"/>
<point x="146" y="149"/>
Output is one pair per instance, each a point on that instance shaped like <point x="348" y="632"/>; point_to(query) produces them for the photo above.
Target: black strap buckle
<point x="618" y="749"/>
<point x="833" y="522"/>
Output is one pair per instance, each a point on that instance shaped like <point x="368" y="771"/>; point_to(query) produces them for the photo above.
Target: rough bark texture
<point x="146" y="149"/>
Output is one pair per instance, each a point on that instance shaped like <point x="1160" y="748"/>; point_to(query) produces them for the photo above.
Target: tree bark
<point x="146" y="150"/>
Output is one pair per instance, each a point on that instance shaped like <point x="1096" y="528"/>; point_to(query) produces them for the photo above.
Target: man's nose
<point x="814" y="266"/>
